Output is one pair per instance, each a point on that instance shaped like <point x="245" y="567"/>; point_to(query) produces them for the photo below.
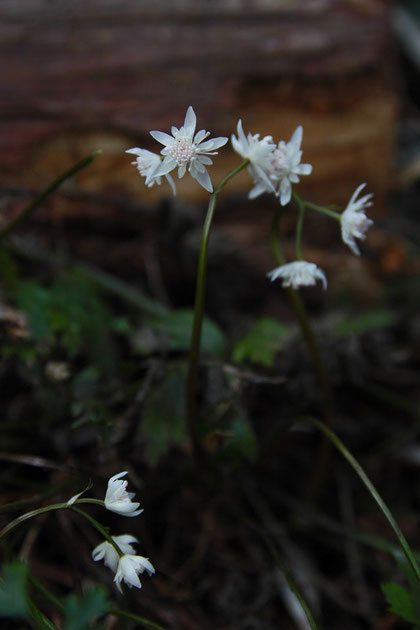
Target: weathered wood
<point x="84" y="74"/>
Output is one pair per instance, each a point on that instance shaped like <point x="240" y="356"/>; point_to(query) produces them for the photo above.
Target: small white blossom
<point x="354" y="222"/>
<point x="298" y="274"/>
<point x="258" y="153"/>
<point x="106" y="552"/>
<point x="118" y="500"/>
<point x="285" y="166"/>
<point x="147" y="162"/>
<point x="129" y="567"/>
<point x="185" y="148"/>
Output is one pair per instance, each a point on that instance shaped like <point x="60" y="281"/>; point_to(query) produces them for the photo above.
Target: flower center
<point x="278" y="164"/>
<point x="182" y="150"/>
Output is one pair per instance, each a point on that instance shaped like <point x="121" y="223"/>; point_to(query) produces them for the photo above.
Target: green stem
<point x="46" y="193"/>
<point x="100" y="529"/>
<point x="63" y="506"/>
<point x="290" y="580"/>
<point x="315" y="352"/>
<point x="320" y="209"/>
<point x="334" y="439"/>
<point x="129" y="615"/>
<point x="191" y="402"/>
<point x="299" y="228"/>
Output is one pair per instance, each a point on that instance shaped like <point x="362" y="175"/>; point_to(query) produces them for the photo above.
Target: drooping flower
<point x="118" y="500"/>
<point x="147" y="162"/>
<point x="185" y="148"/>
<point x="298" y="274"/>
<point x="129" y="568"/>
<point x="354" y="222"/>
<point x="106" y="552"/>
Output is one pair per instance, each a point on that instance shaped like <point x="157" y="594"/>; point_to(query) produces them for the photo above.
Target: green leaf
<point x="261" y="343"/>
<point x="163" y="423"/>
<point x="400" y="602"/>
<point x="80" y="612"/>
<point x="175" y="329"/>
<point x="13" y="596"/>
<point x="370" y="320"/>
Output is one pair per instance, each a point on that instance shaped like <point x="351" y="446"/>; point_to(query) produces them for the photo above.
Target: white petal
<point x="162" y="137"/>
<point x="171" y="183"/>
<point x="212" y="145"/>
<point x="168" y="164"/>
<point x="200" y="135"/>
<point x="304" y="169"/>
<point x="204" y="180"/>
<point x="285" y="191"/>
<point x="190" y="121"/>
<point x="296" y="139"/>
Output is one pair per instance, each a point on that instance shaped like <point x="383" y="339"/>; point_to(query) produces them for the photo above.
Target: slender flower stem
<point x="26" y="213"/>
<point x="191" y="402"/>
<point x="299" y="227"/>
<point x="63" y="506"/>
<point x="315" y="352"/>
<point x="313" y="206"/>
<point x="100" y="529"/>
<point x="334" y="439"/>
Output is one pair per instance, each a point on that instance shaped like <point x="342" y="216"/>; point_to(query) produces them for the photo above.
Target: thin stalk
<point x="290" y="580"/>
<point x="321" y="209"/>
<point x="100" y="529"/>
<point x="315" y="352"/>
<point x="63" y="506"/>
<point x="191" y="402"/>
<point x="335" y="440"/>
<point x="299" y="227"/>
<point x="26" y="213"/>
<point x="129" y="615"/>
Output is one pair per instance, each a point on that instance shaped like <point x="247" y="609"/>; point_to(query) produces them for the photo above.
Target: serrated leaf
<point x="13" y="596"/>
<point x="261" y="343"/>
<point x="175" y="328"/>
<point x="163" y="423"/>
<point x="370" y="320"/>
<point x="400" y="602"/>
<point x="80" y="612"/>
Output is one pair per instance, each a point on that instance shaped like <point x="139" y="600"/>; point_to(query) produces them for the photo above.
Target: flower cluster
<point x="274" y="168"/>
<point x="183" y="149"/>
<point x="120" y="556"/>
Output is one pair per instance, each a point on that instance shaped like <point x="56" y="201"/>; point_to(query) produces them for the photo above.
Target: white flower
<point x="258" y="153"/>
<point x="147" y="162"/>
<point x="285" y="166"/>
<point x="128" y="569"/>
<point x="184" y="149"/>
<point x="118" y="500"/>
<point x="106" y="552"/>
<point x="354" y="222"/>
<point x="298" y="274"/>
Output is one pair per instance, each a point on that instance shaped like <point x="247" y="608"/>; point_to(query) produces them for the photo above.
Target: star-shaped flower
<point x="187" y="149"/>
<point x="118" y="500"/>
<point x="354" y="222"/>
<point x="285" y="166"/>
<point x="258" y="153"/>
<point x="147" y="163"/>
<point x="298" y="274"/>
<point x="106" y="552"/>
<point x="129" y="568"/>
